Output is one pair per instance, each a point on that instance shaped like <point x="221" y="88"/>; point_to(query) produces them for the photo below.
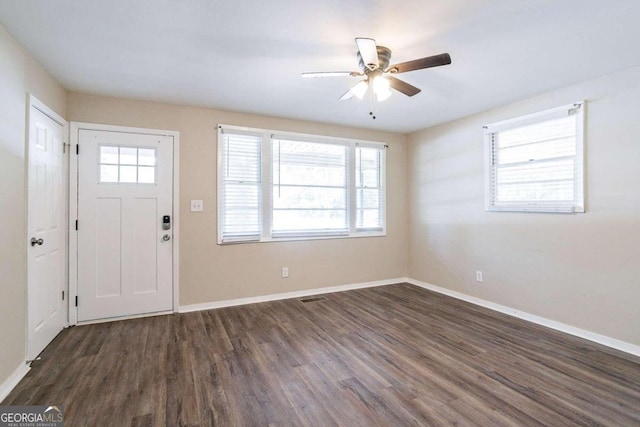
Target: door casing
<point x="75" y="128"/>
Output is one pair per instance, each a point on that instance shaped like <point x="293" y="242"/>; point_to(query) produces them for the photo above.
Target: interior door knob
<point x="35" y="241"/>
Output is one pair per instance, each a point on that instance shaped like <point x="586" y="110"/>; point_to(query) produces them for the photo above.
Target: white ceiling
<point x="247" y="55"/>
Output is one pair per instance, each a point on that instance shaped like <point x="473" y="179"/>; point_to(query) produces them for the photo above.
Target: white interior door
<point x="47" y="310"/>
<point x="125" y="204"/>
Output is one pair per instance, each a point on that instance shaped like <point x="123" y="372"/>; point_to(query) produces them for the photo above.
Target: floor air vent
<point x="313" y="299"/>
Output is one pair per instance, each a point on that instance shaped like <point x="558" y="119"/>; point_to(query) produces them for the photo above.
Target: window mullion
<point x="382" y="183"/>
<point x="219" y="183"/>
<point x="267" y="190"/>
<point x="351" y="189"/>
<point x="578" y="167"/>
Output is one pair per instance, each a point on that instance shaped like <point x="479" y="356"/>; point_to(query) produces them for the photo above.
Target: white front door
<point x="125" y="224"/>
<point x="46" y="230"/>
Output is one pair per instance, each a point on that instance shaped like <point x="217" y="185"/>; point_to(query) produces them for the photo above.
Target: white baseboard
<point x="13" y="380"/>
<point x="558" y="326"/>
<point x="287" y="295"/>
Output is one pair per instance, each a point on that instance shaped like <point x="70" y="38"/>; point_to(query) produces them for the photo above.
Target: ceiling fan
<point x="378" y="74"/>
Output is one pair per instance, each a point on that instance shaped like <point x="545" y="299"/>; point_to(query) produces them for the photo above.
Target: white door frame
<point x="75" y="128"/>
<point x="33" y="102"/>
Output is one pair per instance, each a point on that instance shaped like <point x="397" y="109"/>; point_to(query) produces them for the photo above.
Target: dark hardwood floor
<point x="388" y="356"/>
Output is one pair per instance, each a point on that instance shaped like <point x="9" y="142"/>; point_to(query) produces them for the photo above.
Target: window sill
<point x="537" y="209"/>
<point x="307" y="238"/>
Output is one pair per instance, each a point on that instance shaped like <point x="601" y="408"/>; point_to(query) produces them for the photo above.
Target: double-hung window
<point x="535" y="162"/>
<point x="369" y="187"/>
<point x="282" y="186"/>
<point x="240" y="189"/>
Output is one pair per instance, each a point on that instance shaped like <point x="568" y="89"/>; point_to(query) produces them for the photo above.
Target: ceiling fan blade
<point x="368" y="52"/>
<point x="403" y="87"/>
<point x="347" y="95"/>
<point x="419" y="64"/>
<point x="358" y="91"/>
<point x="330" y="74"/>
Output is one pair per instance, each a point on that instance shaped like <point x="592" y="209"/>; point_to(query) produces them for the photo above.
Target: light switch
<point x="197" y="206"/>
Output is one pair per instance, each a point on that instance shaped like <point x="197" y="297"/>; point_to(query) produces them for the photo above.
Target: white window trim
<point x="545" y="207"/>
<point x="267" y="185"/>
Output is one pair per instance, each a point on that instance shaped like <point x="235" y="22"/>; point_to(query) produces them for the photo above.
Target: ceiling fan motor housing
<point x="384" y="56"/>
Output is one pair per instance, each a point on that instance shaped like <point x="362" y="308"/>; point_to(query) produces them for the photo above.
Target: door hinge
<point x="76" y="300"/>
<point x="77" y="149"/>
<point x="62" y="295"/>
<point x="76" y="225"/>
<point x="64" y="147"/>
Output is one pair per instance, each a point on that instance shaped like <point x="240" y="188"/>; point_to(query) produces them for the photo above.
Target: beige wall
<point x="19" y="74"/>
<point x="210" y="272"/>
<point x="584" y="269"/>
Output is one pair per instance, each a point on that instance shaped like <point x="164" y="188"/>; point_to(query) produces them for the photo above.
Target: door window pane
<point x="128" y="156"/>
<point x="146" y="157"/>
<point x="108" y="173"/>
<point x="109" y="155"/>
<point x="128" y="174"/>
<point x="146" y="175"/>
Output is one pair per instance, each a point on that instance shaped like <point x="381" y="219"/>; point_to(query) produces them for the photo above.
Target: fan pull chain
<point x="372" y="113"/>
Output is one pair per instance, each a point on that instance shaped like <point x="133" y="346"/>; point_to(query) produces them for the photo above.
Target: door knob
<point x="35" y="241"/>
<point x="166" y="237"/>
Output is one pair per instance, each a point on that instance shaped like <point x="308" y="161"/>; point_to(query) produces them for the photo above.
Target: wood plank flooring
<point x="387" y="356"/>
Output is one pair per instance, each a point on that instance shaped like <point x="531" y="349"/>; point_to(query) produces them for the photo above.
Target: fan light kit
<point x="378" y="75"/>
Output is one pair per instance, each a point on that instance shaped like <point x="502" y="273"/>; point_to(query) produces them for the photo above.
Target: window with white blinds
<point x="535" y="163"/>
<point x="369" y="189"/>
<point x="278" y="186"/>
<point x="240" y="176"/>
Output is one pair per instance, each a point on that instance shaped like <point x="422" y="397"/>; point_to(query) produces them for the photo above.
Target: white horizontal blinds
<point x="241" y="189"/>
<point x="537" y="165"/>
<point x="369" y="188"/>
<point x="309" y="190"/>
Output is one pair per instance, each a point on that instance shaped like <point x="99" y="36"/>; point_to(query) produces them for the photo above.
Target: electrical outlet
<point x="478" y="276"/>
<point x="197" y="206"/>
<point x="285" y="272"/>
